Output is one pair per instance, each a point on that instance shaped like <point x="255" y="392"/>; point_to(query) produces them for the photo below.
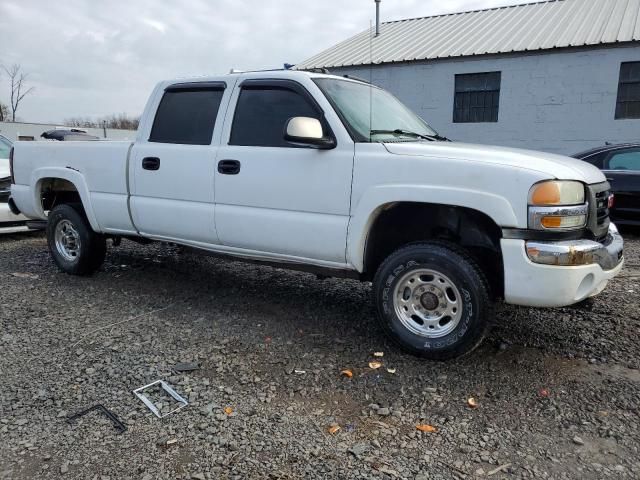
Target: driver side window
<point x="262" y="114"/>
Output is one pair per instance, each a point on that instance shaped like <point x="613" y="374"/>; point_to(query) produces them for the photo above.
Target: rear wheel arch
<point x="63" y="186"/>
<point x="56" y="191"/>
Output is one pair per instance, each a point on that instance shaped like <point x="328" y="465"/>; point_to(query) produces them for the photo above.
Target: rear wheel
<point x="74" y="246"/>
<point x="433" y="300"/>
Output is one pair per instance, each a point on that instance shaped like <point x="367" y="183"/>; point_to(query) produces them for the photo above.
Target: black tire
<point x="92" y="246"/>
<point x="456" y="266"/>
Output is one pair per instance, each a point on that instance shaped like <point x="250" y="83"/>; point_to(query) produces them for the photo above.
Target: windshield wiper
<point x="442" y="138"/>
<point x="408" y="133"/>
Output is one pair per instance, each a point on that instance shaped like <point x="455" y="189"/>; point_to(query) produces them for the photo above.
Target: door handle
<point x="610" y="179"/>
<point x="151" y="163"/>
<point x="229" y="167"/>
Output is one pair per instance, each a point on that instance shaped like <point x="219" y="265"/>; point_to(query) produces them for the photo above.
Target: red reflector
<point x="612" y="201"/>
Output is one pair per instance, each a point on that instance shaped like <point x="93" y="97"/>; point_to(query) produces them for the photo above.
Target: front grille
<point x="602" y="207"/>
<point x="598" y="222"/>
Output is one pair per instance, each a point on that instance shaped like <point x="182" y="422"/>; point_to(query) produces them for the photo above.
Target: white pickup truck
<point x="335" y="176"/>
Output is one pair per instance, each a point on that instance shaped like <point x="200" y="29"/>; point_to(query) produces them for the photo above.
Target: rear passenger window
<point x="262" y="114"/>
<point x="629" y="160"/>
<point x="186" y="116"/>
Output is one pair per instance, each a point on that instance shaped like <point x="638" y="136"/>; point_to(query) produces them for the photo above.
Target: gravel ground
<point x="556" y="390"/>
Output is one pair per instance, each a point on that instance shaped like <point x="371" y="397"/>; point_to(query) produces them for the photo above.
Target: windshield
<point x="366" y="109"/>
<point x="5" y="146"/>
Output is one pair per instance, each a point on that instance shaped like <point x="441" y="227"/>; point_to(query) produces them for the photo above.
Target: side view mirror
<point x="307" y="131"/>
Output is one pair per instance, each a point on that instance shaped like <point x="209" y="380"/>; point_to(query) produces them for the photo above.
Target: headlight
<point x="557" y="205"/>
<point x="556" y="192"/>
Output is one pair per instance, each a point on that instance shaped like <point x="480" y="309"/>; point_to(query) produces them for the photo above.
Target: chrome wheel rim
<point x="427" y="303"/>
<point x="67" y="240"/>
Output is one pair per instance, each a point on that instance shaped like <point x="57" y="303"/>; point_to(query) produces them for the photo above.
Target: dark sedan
<point x="621" y="165"/>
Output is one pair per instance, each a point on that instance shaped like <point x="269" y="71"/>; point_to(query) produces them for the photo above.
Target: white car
<point x="9" y="222"/>
<point x="335" y="176"/>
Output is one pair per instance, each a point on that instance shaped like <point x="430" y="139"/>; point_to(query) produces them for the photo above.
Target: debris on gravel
<point x="260" y="354"/>
<point x="186" y="367"/>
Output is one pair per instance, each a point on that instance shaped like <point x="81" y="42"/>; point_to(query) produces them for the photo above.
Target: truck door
<point x="172" y="169"/>
<point x="275" y="197"/>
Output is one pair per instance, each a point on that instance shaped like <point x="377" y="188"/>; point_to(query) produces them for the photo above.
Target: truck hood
<point x="556" y="166"/>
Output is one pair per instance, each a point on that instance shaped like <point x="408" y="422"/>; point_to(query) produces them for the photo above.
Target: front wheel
<point x="433" y="300"/>
<point x="75" y="247"/>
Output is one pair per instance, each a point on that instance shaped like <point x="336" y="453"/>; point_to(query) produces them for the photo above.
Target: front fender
<point x="375" y="199"/>
<point x="72" y="176"/>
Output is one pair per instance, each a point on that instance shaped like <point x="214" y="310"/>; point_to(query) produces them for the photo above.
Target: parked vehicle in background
<point x="9" y="222"/>
<point x="621" y="166"/>
<point x="64" y="135"/>
<point x="335" y="176"/>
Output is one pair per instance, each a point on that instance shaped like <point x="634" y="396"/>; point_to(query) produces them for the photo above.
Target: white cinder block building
<point x="560" y="75"/>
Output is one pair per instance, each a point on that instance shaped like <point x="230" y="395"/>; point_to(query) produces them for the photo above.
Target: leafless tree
<point x="82" y="122"/>
<point x="121" y="121"/>
<point x="4" y="112"/>
<point x="19" y="90"/>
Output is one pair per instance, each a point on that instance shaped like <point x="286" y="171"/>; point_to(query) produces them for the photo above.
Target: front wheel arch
<point x="404" y="223"/>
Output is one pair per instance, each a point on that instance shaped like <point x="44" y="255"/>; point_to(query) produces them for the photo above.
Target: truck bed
<point x="96" y="168"/>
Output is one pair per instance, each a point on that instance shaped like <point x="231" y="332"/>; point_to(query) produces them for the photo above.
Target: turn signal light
<point x="563" y="222"/>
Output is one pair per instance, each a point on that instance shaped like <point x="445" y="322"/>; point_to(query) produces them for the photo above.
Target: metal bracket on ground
<point x="116" y="422"/>
<point x="175" y="395"/>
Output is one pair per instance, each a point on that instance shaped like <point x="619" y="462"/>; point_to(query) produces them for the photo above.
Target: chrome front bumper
<point x="607" y="254"/>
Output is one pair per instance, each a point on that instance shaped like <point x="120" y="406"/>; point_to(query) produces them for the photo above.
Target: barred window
<point x="477" y="97"/>
<point x="628" y="105"/>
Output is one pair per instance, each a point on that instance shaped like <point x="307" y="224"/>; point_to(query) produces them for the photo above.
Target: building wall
<point x="14" y="130"/>
<point x="561" y="102"/>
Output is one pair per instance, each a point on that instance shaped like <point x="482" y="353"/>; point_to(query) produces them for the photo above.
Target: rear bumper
<point x="556" y="274"/>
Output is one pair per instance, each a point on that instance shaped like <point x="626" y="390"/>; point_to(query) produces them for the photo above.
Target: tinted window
<point x="628" y="105"/>
<point x="629" y="160"/>
<point x="596" y="160"/>
<point x="477" y="97"/>
<point x="186" y="116"/>
<point x="262" y="114"/>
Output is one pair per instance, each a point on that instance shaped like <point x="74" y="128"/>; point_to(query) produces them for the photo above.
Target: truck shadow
<point x="337" y="311"/>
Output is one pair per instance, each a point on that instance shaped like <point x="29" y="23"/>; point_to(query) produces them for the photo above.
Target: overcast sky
<point x="92" y="58"/>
